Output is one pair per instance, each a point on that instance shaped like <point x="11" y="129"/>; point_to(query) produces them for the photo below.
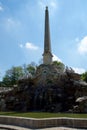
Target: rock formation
<point x="53" y="88"/>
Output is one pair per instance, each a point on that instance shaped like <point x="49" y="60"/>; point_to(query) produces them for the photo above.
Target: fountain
<point x="53" y="88"/>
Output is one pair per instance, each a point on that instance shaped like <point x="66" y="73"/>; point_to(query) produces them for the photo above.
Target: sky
<point x="22" y="32"/>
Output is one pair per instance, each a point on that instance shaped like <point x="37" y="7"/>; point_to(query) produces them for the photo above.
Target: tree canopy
<point x="84" y="76"/>
<point x="59" y="64"/>
<point x="12" y="75"/>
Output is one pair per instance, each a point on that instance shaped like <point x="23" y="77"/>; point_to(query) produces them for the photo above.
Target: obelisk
<point x="47" y="55"/>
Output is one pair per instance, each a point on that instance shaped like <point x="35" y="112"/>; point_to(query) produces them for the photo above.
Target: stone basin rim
<point x="30" y="118"/>
<point x="34" y="123"/>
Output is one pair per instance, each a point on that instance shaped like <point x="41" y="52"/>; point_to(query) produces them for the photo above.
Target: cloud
<point x="10" y="21"/>
<point x="29" y="46"/>
<point x="77" y="39"/>
<point x="42" y="4"/>
<point x="1" y="8"/>
<point x="79" y="70"/>
<point x="52" y="4"/>
<point x="55" y="58"/>
<point x="21" y="45"/>
<point x="11" y="24"/>
<point x="82" y="46"/>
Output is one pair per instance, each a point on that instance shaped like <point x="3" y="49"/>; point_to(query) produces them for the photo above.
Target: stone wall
<point x="44" y="123"/>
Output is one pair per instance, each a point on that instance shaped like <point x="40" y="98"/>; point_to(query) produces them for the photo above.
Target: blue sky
<point x="22" y="32"/>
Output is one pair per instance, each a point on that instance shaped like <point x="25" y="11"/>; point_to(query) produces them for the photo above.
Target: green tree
<point x="84" y="76"/>
<point x="0" y="83"/>
<point x="15" y="73"/>
<point x="12" y="75"/>
<point x="31" y="69"/>
<point x="60" y="65"/>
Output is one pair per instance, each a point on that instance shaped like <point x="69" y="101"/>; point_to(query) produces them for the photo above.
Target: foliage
<point x="15" y="73"/>
<point x="31" y="69"/>
<point x="0" y="83"/>
<point x="84" y="76"/>
<point x="12" y="75"/>
<point x="59" y="64"/>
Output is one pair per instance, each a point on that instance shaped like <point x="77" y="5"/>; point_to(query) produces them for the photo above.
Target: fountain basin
<point x="44" y="122"/>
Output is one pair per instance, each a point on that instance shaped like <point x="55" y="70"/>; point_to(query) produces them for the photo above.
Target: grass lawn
<point x="43" y="114"/>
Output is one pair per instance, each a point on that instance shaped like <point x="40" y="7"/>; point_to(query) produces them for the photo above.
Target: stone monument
<point x="53" y="88"/>
<point x="47" y="55"/>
